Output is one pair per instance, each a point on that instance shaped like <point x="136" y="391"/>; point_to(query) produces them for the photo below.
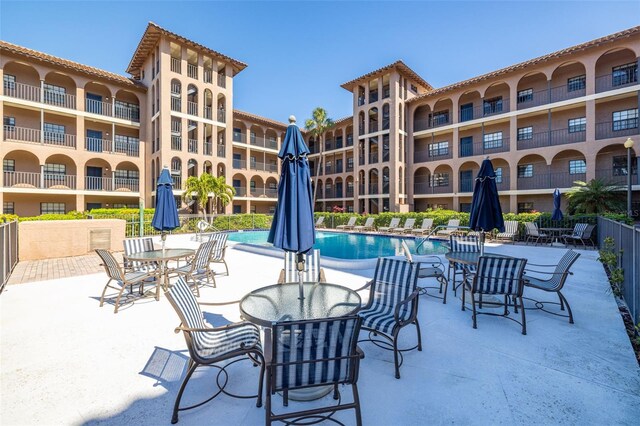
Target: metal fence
<point x="8" y="250"/>
<point x="627" y="244"/>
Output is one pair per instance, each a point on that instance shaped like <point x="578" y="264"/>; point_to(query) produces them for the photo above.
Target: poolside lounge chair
<point x="312" y="273"/>
<point x="350" y="225"/>
<point x="425" y="228"/>
<point x="211" y="345"/>
<point x="393" y="304"/>
<point x="219" y="249"/>
<point x="298" y="359"/>
<point x="392" y="225"/>
<point x="552" y="281"/>
<point x="138" y="245"/>
<point x="533" y="234"/>
<point x="461" y="244"/>
<point x="198" y="270"/>
<point x="368" y="225"/>
<point x="497" y="276"/>
<point x="452" y="227"/>
<point x="576" y="236"/>
<point x="320" y="223"/>
<point x="408" y="226"/>
<point x="510" y="231"/>
<point x="124" y="277"/>
<point x="585" y="238"/>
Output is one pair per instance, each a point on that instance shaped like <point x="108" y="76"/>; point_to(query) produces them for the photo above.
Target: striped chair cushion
<point x="311" y="271"/>
<point x="209" y="344"/>
<point x="499" y="275"/>
<point x="464" y="243"/>
<point x="114" y="271"/>
<point x="220" y="242"/>
<point x="314" y="352"/>
<point x="393" y="282"/>
<point x="578" y="230"/>
<point x="138" y="245"/>
<point x="510" y="229"/>
<point x="559" y="276"/>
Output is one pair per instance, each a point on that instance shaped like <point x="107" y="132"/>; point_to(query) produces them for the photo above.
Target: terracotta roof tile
<point x="151" y="36"/>
<point x="259" y="119"/>
<point x="400" y="66"/>
<point x="536" y="61"/>
<point x="67" y="64"/>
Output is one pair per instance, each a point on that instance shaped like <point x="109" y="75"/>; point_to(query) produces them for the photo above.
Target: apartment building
<point x="76" y="137"/>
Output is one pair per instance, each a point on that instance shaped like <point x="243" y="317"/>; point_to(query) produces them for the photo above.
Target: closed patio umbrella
<point x="557" y="200"/>
<point x="486" y="213"/>
<point x="292" y="228"/>
<point x="165" y="216"/>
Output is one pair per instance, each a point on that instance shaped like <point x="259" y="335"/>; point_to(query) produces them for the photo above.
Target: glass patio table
<point x="161" y="257"/>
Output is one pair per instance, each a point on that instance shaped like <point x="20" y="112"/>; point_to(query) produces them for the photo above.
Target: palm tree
<point x="200" y="188"/>
<point x="595" y="196"/>
<point x="317" y="126"/>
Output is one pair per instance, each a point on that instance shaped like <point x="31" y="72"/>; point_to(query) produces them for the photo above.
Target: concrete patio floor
<point x="64" y="360"/>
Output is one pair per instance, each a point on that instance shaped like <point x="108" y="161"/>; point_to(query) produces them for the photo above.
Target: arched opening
<point x="385" y="180"/>
<point x="421" y="118"/>
<point x="385" y="117"/>
<point x="126" y="177"/>
<point x="611" y="165"/>
<point x="21" y="170"/>
<point x="533" y="90"/>
<point x="468" y="171"/>
<point x="60" y="90"/>
<point x="533" y="172"/>
<point x="328" y="189"/>
<point x="496" y="99"/>
<point x="208" y="104"/>
<point x="207" y="167"/>
<point x="271" y="188"/>
<point x="21" y="81"/>
<point x="568" y="81"/>
<point x="256" y="186"/>
<point x="222" y="108"/>
<point x="59" y="172"/>
<point x="192" y="168"/>
<point x="361" y="129"/>
<point x="441" y="115"/>
<point x="373" y="120"/>
<point x="470" y="106"/>
<point x="220" y="170"/>
<point x="127" y="105"/>
<point x="373" y="181"/>
<point x="271" y="139"/>
<point x="176" y="95"/>
<point x="567" y="167"/>
<point x="339" y="188"/>
<point x="239" y="183"/>
<point x="176" y="172"/>
<point x="616" y="68"/>
<point x="192" y="100"/>
<point x="502" y="170"/>
<point x="97" y="99"/>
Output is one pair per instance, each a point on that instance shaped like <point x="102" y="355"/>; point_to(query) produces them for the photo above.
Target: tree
<point x="200" y="188"/>
<point x="595" y="196"/>
<point x="317" y="126"/>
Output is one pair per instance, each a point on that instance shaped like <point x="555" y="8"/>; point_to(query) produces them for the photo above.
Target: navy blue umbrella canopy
<point x="486" y="213"/>
<point x="165" y="217"/>
<point x="557" y="201"/>
<point x="293" y="228"/>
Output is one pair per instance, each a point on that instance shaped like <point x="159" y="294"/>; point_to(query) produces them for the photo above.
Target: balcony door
<point x="94" y="103"/>
<point x="466" y="181"/>
<point x="94" y="177"/>
<point x="466" y="112"/>
<point x="466" y="146"/>
<point x="94" y="140"/>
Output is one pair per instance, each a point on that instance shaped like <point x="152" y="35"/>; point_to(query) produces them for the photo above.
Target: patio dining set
<point x="307" y="347"/>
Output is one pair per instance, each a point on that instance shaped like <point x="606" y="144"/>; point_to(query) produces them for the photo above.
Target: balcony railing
<point x="551" y="138"/>
<point x="429" y="188"/>
<point x="373" y="126"/>
<point x="221" y="151"/>
<point x="373" y="188"/>
<point x="176" y="143"/>
<point x="257" y="165"/>
<point x="349" y="167"/>
<point x="192" y="108"/>
<point x="373" y="157"/>
<point x="222" y="80"/>
<point x="349" y="192"/>
<point x="349" y="140"/>
<point x="192" y="146"/>
<point x="98" y="107"/>
<point x="361" y="100"/>
<point x="263" y="142"/>
<point x="485" y="110"/>
<point x="608" y="82"/>
<point x="176" y="104"/>
<point x="484" y="148"/>
<point x="208" y="113"/>
<point x="24" y="134"/>
<point x="111" y="184"/>
<point x="550" y="180"/>
<point x="22" y="91"/>
<point x="239" y="164"/>
<point x="616" y="176"/>
<point x="131" y="113"/>
<point x="176" y="65"/>
<point x="39" y="180"/>
<point x="614" y="129"/>
<point x="241" y="191"/>
<point x="208" y="76"/>
<point x="431" y="122"/>
<point x="97" y="145"/>
<point x="431" y="155"/>
<point x="239" y="137"/>
<point x="546" y="96"/>
<point x="177" y="180"/>
<point x="132" y="149"/>
<point x="207" y="148"/>
<point x="192" y="71"/>
<point x="222" y="118"/>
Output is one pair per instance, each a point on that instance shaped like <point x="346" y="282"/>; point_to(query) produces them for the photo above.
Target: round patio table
<point x="555" y="233"/>
<point x="162" y="257"/>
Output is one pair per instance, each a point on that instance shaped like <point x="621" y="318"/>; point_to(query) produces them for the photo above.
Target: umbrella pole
<point x="300" y="267"/>
<point x="163" y="237"/>
<point x="482" y="243"/>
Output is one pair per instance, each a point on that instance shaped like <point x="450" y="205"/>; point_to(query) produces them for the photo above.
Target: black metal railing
<point x="551" y="138"/>
<point x="614" y="129"/>
<point x="8" y="250"/>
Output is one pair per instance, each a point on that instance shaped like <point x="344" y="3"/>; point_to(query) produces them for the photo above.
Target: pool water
<point x="343" y="245"/>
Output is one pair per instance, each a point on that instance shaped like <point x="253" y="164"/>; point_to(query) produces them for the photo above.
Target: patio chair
<point x="124" y="277"/>
<point x="320" y="223"/>
<point x="408" y="226"/>
<point x="533" y="234"/>
<point x="552" y="281"/>
<point x="452" y="227"/>
<point x="579" y="235"/>
<point x="368" y="225"/>
<point x="210" y="345"/>
<point x="430" y="267"/>
<point x="350" y="225"/>
<point x="138" y="245"/>
<point x="219" y="249"/>
<point x="198" y="270"/>
<point x="497" y="276"/>
<point x="510" y="231"/>
<point x="312" y="353"/>
<point x="392" y="225"/>
<point x="313" y="273"/>
<point x="392" y="305"/>
<point x="425" y="228"/>
<point x="461" y="244"/>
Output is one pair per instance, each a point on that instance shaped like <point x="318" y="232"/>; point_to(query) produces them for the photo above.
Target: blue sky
<point x="300" y="52"/>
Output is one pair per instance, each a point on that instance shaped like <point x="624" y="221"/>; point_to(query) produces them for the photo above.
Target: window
<point x="624" y="74"/>
<point x="124" y="143"/>
<point x="53" y="132"/>
<point x="439" y="118"/>
<point x="498" y="172"/>
<point x="525" y="95"/>
<point x="492" y="106"/>
<point x="54" y="94"/>
<point x="55" y="169"/>
<point x="577" y="125"/>
<point x="237" y="209"/>
<point x="627" y="119"/>
<point x="9" y="165"/>
<point x="414" y="88"/>
<point x="576" y="83"/>
<point x="237" y="134"/>
<point x="620" y="165"/>
<point x="465" y="207"/>
<point x="438" y="149"/>
<point x="577" y="167"/>
<point x="492" y="140"/>
<point x="440" y="179"/>
<point x="9" y="121"/>
<point x="126" y="174"/>
<point x="525" y="133"/>
<point x="52" y="208"/>
<point x="118" y="206"/>
<point x="127" y="110"/>
<point x="9" y="82"/>
<point x="525" y="171"/>
<point x="8" y="207"/>
<point x="525" y="207"/>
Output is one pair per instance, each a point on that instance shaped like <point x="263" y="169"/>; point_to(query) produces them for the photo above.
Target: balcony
<point x="111" y="184"/>
<point x="176" y="143"/>
<point x="349" y="191"/>
<point x="550" y="180"/>
<point x="361" y="100"/>
<point x="177" y="181"/>
<point x="349" y="167"/>
<point x="176" y="104"/>
<point x="328" y="145"/>
<point x="614" y="129"/>
<point x="239" y="164"/>
<point x="484" y="148"/>
<point x="207" y="148"/>
<point x="373" y="189"/>
<point x="192" y="108"/>
<point x="221" y="151"/>
<point x="192" y="146"/>
<point x="328" y="170"/>
<point x="222" y="81"/>
<point x="485" y="110"/>
<point x="373" y="158"/>
<point x="239" y="137"/>
<point x="616" y="176"/>
<point x="262" y="142"/>
<point x="33" y="94"/>
<point x="373" y="96"/>
<point x="39" y="180"/>
<point x="131" y="113"/>
<point x="222" y="118"/>
<point x="612" y="81"/>
<point x="207" y="76"/>
<point x="431" y="122"/>
<point x="192" y="71"/>
<point x="552" y="138"/>
<point x="24" y="134"/>
<point x="429" y="188"/>
<point x="555" y="94"/>
<point x="241" y="191"/>
<point x="98" y="107"/>
<point x="265" y="167"/>
<point x="176" y="65"/>
<point x="349" y="140"/>
<point x="208" y="113"/>
<point x="431" y="155"/>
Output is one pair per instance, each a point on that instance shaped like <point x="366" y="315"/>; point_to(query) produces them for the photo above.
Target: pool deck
<point x="67" y="361"/>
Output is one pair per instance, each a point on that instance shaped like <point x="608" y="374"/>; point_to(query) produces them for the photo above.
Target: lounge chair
<point x="211" y="345"/>
<point x="585" y="238"/>
<point x="350" y="225"/>
<point x="552" y="281"/>
<point x="298" y="358"/>
<point x="312" y="273"/>
<point x="497" y="276"/>
<point x="198" y="270"/>
<point x="425" y="228"/>
<point x="510" y="231"/>
<point x="408" y="226"/>
<point x="534" y="234"/>
<point x="368" y="225"/>
<point x="577" y="235"/>
<point x="392" y="225"/>
<point x="393" y="304"/>
<point x="320" y="223"/>
<point x="219" y="249"/>
<point x="452" y="227"/>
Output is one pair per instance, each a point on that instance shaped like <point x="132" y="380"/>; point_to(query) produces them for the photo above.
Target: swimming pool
<point x="344" y="245"/>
